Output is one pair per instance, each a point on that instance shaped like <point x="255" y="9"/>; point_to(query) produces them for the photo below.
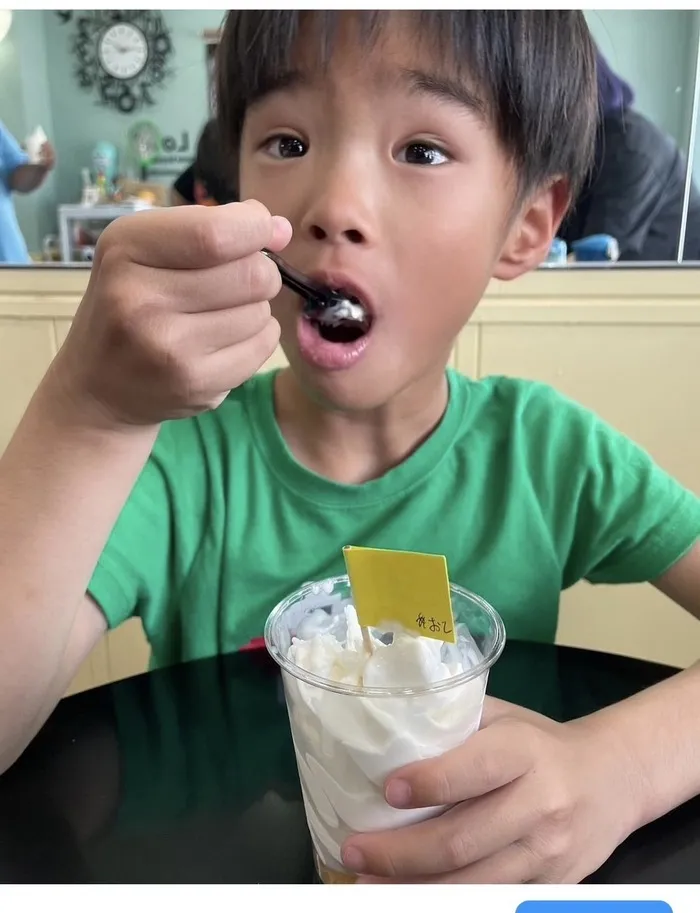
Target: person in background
<point x="207" y="181"/>
<point x="18" y="175"/>
<point x="635" y="191"/>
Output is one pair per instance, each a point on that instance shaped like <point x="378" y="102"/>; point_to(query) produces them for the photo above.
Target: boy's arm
<point x="56" y="514"/>
<point x="661" y="726"/>
<point x="682" y="582"/>
<point x="175" y="316"/>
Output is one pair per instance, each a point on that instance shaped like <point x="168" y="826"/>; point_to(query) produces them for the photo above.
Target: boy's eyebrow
<point x="289" y="79"/>
<point x="443" y="88"/>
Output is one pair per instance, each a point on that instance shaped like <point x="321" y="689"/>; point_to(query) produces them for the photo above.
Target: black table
<point x="188" y="775"/>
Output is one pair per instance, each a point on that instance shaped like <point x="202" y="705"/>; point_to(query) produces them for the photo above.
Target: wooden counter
<point x="625" y="342"/>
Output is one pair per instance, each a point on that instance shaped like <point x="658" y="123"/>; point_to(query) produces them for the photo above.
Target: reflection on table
<point x="188" y="775"/>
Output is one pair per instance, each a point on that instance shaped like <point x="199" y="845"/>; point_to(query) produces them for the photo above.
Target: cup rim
<point x="319" y="681"/>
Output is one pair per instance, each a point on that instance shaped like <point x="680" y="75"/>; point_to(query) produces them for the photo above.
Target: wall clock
<point x="122" y="55"/>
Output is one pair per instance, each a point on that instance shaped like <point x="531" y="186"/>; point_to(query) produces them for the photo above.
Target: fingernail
<point x="280" y="223"/>
<point x="398" y="793"/>
<point x="353" y="859"/>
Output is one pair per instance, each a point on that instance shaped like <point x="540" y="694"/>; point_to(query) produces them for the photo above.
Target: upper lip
<point x="341" y="281"/>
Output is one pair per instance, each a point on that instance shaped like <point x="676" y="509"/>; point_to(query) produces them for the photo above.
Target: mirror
<point x="641" y="193"/>
<point x="122" y="97"/>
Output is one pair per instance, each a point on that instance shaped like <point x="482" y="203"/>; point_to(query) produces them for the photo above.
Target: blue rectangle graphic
<point x="594" y="906"/>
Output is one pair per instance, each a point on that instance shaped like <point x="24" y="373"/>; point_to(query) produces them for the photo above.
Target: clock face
<point x="123" y="50"/>
<point x="121" y="54"/>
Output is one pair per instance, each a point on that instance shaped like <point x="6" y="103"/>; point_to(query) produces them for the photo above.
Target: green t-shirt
<point x="524" y="491"/>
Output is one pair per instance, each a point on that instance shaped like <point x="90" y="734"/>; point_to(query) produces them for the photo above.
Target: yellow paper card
<point x="410" y="588"/>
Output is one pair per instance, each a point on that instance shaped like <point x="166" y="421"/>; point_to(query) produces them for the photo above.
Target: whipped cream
<point x="347" y="744"/>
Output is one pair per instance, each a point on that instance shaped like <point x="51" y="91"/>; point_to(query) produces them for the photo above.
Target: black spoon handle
<point x="297" y="281"/>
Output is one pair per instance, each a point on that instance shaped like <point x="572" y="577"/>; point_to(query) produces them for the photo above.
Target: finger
<point x="206" y="380"/>
<point x="230" y="367"/>
<point x="489" y="759"/>
<point x="281" y="230"/>
<point x="212" y="331"/>
<point x="192" y="237"/>
<point x="515" y="864"/>
<point x="248" y="280"/>
<point x="458" y="838"/>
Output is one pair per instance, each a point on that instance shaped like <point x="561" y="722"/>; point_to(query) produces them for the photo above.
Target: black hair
<point x="533" y="71"/>
<point x="213" y="167"/>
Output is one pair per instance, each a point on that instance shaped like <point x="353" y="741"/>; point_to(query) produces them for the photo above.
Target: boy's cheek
<point x="253" y="186"/>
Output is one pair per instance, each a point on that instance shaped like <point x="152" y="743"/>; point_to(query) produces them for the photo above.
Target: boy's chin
<point x="355" y="389"/>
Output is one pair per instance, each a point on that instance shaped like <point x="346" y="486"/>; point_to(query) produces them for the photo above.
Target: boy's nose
<point x="321" y="233"/>
<point x="340" y="212"/>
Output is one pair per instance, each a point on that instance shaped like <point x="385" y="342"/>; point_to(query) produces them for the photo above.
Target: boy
<point x="408" y="158"/>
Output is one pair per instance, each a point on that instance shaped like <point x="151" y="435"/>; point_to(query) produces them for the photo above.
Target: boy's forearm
<point x="658" y="732"/>
<point x="63" y="482"/>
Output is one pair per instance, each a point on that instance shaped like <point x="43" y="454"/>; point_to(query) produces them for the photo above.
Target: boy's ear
<point x="533" y="231"/>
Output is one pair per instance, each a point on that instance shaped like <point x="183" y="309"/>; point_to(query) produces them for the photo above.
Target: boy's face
<point x="399" y="192"/>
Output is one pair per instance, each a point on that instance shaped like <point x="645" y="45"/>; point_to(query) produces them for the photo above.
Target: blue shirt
<point x="13" y="248"/>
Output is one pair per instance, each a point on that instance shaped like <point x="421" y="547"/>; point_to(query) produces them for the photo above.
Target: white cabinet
<point x="75" y="220"/>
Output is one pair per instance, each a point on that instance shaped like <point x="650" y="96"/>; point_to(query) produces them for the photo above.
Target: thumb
<point x="281" y="229"/>
<point x="281" y="234"/>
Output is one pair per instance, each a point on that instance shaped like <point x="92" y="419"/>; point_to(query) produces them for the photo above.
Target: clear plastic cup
<point x="349" y="738"/>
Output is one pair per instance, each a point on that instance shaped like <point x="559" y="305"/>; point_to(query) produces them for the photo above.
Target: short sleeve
<point x="157" y="534"/>
<point x="633" y="521"/>
<point x="11" y="154"/>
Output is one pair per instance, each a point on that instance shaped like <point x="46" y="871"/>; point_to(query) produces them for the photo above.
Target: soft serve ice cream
<point x="348" y="742"/>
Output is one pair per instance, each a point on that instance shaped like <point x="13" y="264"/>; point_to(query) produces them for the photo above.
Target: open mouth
<point x="344" y="321"/>
<point x="344" y="330"/>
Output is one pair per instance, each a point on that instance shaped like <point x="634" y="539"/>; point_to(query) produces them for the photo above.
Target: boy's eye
<point x="285" y="147"/>
<point x="423" y="154"/>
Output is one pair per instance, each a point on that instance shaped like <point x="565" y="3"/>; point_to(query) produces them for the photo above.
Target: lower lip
<point x="331" y="356"/>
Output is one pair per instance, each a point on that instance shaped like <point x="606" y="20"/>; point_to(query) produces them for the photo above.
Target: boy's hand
<point x="533" y="801"/>
<point x="176" y="312"/>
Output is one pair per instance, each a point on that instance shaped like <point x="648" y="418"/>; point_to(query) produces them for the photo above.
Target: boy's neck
<point x="355" y="447"/>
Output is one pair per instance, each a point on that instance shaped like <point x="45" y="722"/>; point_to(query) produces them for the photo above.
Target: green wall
<point x="653" y="49"/>
<point x="11" y="104"/>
